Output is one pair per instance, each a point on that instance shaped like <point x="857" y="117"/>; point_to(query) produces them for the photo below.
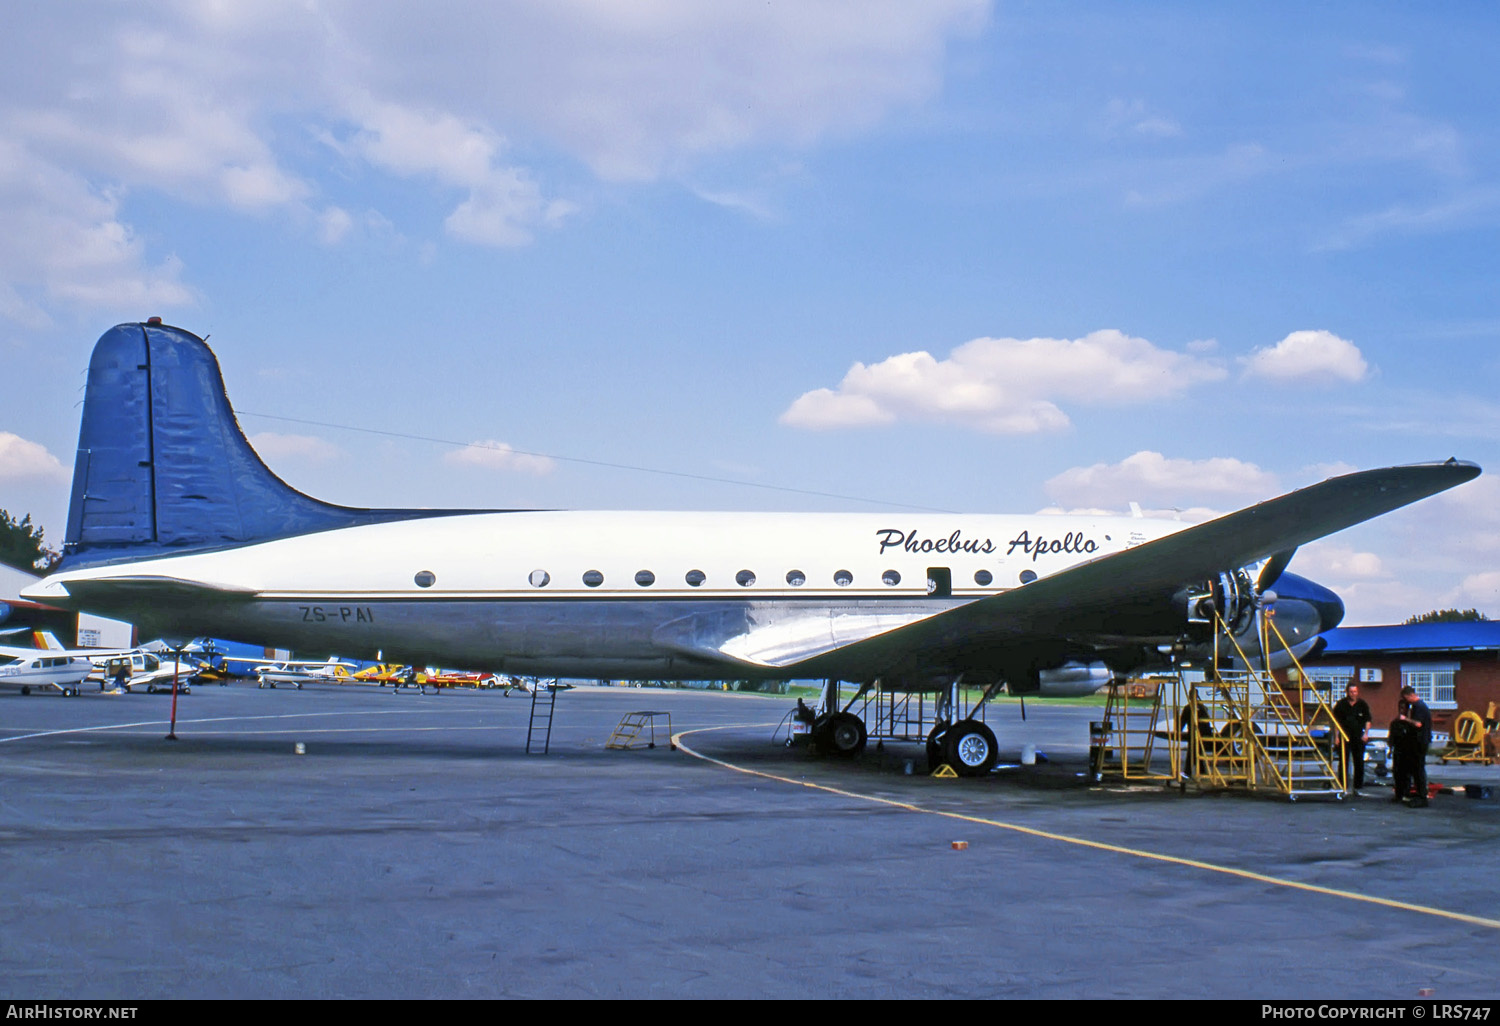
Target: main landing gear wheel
<point x="970" y="748"/>
<point x="842" y="734"/>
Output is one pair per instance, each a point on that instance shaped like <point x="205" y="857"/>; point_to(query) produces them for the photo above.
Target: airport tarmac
<point x="415" y="850"/>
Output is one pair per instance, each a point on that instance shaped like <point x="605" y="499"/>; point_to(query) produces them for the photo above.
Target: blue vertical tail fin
<point x="163" y="467"/>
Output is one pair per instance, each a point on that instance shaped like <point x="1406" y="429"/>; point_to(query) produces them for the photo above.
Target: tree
<point x="21" y="545"/>
<point x="1448" y="616"/>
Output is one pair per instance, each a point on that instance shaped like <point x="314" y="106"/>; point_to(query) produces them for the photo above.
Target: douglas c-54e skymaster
<point x="176" y="524"/>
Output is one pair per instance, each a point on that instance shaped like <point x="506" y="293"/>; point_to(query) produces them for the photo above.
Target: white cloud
<point x="1472" y="207"/>
<point x="212" y="102"/>
<point x="1004" y="385"/>
<point x="21" y="458"/>
<point x="1334" y="564"/>
<point x="1132" y="117"/>
<point x="1149" y="477"/>
<point x="504" y="203"/>
<point x="493" y="455"/>
<point x="64" y="242"/>
<point x="334" y="224"/>
<point x="1481" y="591"/>
<point x="275" y="447"/>
<point x="638" y="90"/>
<point x="1190" y="515"/>
<point x="1318" y="357"/>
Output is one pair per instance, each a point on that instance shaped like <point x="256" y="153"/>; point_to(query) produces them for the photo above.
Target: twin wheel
<point x="968" y="745"/>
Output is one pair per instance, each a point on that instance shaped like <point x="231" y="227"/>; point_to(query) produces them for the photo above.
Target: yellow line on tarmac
<point x="1082" y="842"/>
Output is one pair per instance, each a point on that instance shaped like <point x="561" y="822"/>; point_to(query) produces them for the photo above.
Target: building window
<point x="796" y="578"/>
<point x="1331" y="680"/>
<point x="1433" y="681"/>
<point x="695" y="578"/>
<point x="593" y="578"/>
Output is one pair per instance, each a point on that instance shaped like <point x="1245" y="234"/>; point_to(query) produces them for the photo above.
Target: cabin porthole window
<point x="983" y="578"/>
<point x="891" y="578"/>
<point x="593" y="578"/>
<point x="645" y="578"/>
<point x="744" y="578"/>
<point x="796" y="578"/>
<point x="425" y="578"/>
<point x="1027" y="576"/>
<point x="540" y="578"/>
<point x="843" y="578"/>
<point x="695" y="578"/>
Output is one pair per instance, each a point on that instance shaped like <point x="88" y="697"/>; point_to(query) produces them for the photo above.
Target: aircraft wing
<point x="1090" y="592"/>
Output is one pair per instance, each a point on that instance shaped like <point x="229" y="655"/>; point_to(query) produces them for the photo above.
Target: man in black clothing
<point x="1353" y="717"/>
<point x="1411" y="733"/>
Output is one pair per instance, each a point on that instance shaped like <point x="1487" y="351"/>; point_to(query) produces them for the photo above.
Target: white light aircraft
<point x="23" y="669"/>
<point x="297" y="672"/>
<point x="177" y="525"/>
<point x="49" y="665"/>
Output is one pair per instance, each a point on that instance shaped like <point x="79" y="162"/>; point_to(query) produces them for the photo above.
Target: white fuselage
<point x="613" y="593"/>
<point x="34" y="668"/>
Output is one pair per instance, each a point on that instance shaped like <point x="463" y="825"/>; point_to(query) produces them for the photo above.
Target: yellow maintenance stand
<point x="1232" y="729"/>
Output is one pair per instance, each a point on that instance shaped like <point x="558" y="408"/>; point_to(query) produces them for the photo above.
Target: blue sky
<point x="958" y="255"/>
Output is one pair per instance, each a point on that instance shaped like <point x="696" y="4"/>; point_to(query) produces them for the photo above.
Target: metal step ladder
<point x="539" y="728"/>
<point x="1248" y="731"/>
<point x="628" y="733"/>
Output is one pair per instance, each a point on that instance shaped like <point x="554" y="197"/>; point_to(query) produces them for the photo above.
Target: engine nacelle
<point x="1231" y="595"/>
<point x="1073" y="680"/>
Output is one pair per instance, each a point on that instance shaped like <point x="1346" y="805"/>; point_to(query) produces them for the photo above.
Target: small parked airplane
<point x="295" y="673"/>
<point x="49" y="665"/>
<point x="26" y="668"/>
<point x="176" y="524"/>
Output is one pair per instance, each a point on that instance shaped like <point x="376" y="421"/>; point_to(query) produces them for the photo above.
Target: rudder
<point x="163" y="466"/>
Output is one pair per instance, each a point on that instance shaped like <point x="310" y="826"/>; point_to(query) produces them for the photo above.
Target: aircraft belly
<point x="603" y="638"/>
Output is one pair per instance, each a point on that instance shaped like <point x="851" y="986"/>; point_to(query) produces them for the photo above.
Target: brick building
<point x="1454" y="666"/>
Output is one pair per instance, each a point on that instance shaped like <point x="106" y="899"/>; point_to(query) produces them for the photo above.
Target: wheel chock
<point x="945" y="772"/>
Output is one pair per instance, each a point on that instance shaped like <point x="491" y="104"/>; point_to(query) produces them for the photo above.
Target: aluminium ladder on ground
<point x="539" y="727"/>
<point x="628" y="733"/>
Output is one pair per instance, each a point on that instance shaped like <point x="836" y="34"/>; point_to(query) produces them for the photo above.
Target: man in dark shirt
<point x="1353" y="717"/>
<point x="1411" y="733"/>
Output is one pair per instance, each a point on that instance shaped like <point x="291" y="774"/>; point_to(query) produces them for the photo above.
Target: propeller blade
<point x="1274" y="568"/>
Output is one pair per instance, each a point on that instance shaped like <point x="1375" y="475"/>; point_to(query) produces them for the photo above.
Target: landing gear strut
<point x="952" y="728"/>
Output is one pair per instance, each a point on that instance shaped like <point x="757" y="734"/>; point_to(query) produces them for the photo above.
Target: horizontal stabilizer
<point x="112" y="592"/>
